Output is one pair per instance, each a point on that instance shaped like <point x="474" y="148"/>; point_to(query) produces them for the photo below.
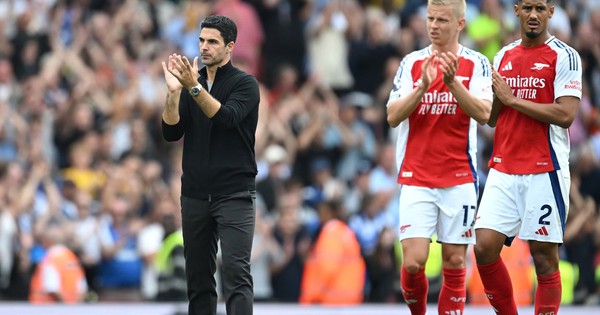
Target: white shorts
<point x="533" y="206"/>
<point x="447" y="212"/>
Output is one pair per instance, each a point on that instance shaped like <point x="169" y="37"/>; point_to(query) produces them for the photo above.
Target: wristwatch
<point x="196" y="90"/>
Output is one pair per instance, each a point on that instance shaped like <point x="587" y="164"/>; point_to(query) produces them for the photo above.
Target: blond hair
<point x="458" y="6"/>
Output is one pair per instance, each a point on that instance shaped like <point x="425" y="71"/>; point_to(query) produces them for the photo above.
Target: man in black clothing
<point x="216" y="109"/>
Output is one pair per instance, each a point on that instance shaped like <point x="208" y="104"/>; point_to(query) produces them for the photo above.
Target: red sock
<point x="414" y="291"/>
<point x="548" y="294"/>
<point x="498" y="287"/>
<point x="454" y="292"/>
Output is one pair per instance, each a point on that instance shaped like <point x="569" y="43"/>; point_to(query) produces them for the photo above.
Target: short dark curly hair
<point x="547" y="1"/>
<point x="224" y="25"/>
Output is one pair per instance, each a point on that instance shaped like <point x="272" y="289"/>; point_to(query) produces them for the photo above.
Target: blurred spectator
<point x="8" y="232"/>
<point x="85" y="77"/>
<point x="17" y="200"/>
<point x="266" y="252"/>
<point x="59" y="276"/>
<point x="81" y="171"/>
<point x="369" y="53"/>
<point x="391" y="10"/>
<point x="586" y="171"/>
<point x="587" y="43"/>
<point x="71" y="126"/>
<point x="377" y="120"/>
<point x="580" y="234"/>
<point x="321" y="133"/>
<point x="559" y="25"/>
<point x="12" y="131"/>
<point x="358" y="189"/>
<point x="142" y="144"/>
<point x="362" y="145"/>
<point x="285" y="84"/>
<point x="488" y="29"/>
<point x="323" y="186"/>
<point x="121" y="268"/>
<point x="383" y="269"/>
<point x="276" y="112"/>
<point x="91" y="235"/>
<point x="291" y="235"/>
<point x="413" y="35"/>
<point x="327" y="47"/>
<point x="334" y="272"/>
<point x="587" y="121"/>
<point x="382" y="182"/>
<point x="183" y="28"/>
<point x="30" y="41"/>
<point x="283" y="23"/>
<point x="271" y="185"/>
<point x="151" y="238"/>
<point x="170" y="259"/>
<point x="250" y="38"/>
<point x="369" y="223"/>
<point x="9" y="87"/>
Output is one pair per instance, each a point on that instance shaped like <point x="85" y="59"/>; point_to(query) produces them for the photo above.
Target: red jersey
<point x="541" y="74"/>
<point x="437" y="143"/>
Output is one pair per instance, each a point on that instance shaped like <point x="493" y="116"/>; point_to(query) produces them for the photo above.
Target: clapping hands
<point x="179" y="72"/>
<point x="446" y="62"/>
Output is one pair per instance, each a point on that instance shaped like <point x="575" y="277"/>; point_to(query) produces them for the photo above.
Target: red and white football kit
<point x="527" y="190"/>
<point x="436" y="150"/>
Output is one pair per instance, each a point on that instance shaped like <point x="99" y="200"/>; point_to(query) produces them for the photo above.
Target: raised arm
<point x="567" y="86"/>
<point x="561" y="113"/>
<point x="171" y="110"/>
<point x="496" y="108"/>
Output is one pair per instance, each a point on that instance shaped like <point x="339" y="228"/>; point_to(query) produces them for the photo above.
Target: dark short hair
<point x="547" y="1"/>
<point x="223" y="24"/>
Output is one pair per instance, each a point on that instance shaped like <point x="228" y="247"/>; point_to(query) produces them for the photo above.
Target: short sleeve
<point x="403" y="80"/>
<point x="481" y="82"/>
<point x="568" y="74"/>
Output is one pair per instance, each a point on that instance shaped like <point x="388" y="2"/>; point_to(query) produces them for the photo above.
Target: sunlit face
<point x="533" y="16"/>
<point x="213" y="50"/>
<point x="443" y="26"/>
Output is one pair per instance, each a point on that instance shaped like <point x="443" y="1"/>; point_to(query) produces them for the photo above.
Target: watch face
<point x="195" y="91"/>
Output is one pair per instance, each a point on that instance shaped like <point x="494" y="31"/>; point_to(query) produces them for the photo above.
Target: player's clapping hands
<point x="502" y="90"/>
<point x="429" y="70"/>
<point x="180" y="69"/>
<point x="449" y="65"/>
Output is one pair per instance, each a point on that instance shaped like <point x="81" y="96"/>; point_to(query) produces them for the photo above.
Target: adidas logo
<point x="507" y="67"/>
<point x="542" y="231"/>
<point x="468" y="233"/>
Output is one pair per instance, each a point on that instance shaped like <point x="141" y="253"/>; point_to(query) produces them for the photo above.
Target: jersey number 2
<point x="548" y="210"/>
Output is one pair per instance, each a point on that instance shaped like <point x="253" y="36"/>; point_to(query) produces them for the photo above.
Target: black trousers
<point x="230" y="219"/>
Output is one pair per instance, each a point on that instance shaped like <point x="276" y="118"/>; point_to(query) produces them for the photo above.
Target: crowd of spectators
<point x="82" y="93"/>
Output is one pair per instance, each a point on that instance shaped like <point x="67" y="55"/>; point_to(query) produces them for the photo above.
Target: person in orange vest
<point x="334" y="272"/>
<point x="59" y="276"/>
